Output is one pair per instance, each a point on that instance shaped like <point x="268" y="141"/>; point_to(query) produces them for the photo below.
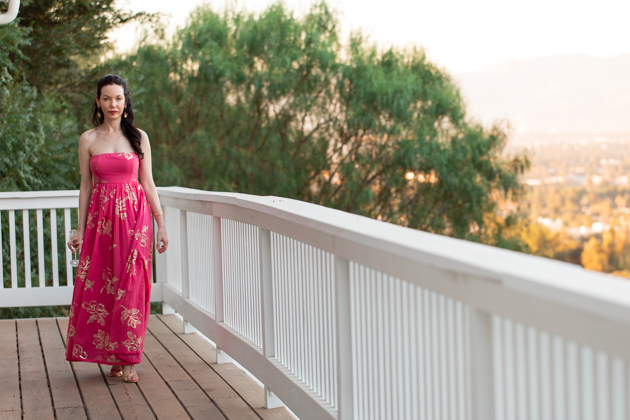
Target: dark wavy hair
<point x="126" y="124"/>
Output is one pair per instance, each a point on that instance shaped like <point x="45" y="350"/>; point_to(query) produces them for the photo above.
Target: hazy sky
<point x="459" y="35"/>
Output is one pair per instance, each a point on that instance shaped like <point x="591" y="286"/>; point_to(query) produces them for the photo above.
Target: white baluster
<point x="27" y="248"/>
<point x="183" y="247"/>
<point x="13" y="251"/>
<point x="222" y="357"/>
<point x="267" y="308"/>
<point x="345" y="402"/>
<point x="68" y="225"/>
<point x="481" y="394"/>
<point x="40" y="249"/>
<point x="53" y="247"/>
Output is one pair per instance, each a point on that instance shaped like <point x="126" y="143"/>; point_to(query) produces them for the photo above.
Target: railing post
<point x="345" y="400"/>
<point x="161" y="267"/>
<point x="217" y="256"/>
<point x="183" y="235"/>
<point x="266" y="305"/>
<point x="481" y="384"/>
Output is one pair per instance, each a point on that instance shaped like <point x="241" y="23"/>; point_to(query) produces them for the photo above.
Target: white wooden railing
<point x="345" y="317"/>
<point x="39" y="271"/>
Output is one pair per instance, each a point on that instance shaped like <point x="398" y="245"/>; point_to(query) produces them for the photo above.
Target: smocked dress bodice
<point x="108" y="168"/>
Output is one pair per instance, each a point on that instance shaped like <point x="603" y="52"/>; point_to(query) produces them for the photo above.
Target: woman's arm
<point x="146" y="177"/>
<point x="85" y="190"/>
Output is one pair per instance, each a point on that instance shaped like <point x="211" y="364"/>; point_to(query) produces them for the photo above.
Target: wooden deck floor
<point x="179" y="378"/>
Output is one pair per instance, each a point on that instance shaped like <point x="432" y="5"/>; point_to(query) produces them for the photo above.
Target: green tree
<point x="275" y="104"/>
<point x="66" y="39"/>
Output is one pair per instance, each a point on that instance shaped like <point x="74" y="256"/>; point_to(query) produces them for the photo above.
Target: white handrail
<point x="11" y="13"/>
<point x="372" y="320"/>
<point x="342" y="316"/>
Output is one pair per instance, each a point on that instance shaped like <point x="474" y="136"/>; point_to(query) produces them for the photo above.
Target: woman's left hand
<point x="161" y="240"/>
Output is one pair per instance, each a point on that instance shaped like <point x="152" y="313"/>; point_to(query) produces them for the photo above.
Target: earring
<point x="98" y="113"/>
<point x="125" y="114"/>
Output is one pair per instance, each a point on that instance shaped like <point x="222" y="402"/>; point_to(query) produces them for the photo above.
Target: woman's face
<point x="112" y="101"/>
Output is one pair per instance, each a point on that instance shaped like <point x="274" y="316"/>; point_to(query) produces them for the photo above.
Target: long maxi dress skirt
<point x="111" y="300"/>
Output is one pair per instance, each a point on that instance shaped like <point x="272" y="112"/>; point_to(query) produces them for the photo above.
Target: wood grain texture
<point x="192" y="397"/>
<point x="63" y="386"/>
<point x="36" y="398"/>
<point x="97" y="399"/>
<point x="130" y="400"/>
<point x="9" y="380"/>
<point x="177" y="380"/>
<point x="228" y="401"/>
<point x="234" y="377"/>
<point x="158" y="395"/>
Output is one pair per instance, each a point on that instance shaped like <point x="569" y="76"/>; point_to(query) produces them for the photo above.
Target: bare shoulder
<point x="87" y="138"/>
<point x="144" y="140"/>
<point x="143" y="133"/>
<point x="89" y="134"/>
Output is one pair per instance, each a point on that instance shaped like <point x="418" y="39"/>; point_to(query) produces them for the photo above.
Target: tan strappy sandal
<point x="116" y="371"/>
<point x="133" y="375"/>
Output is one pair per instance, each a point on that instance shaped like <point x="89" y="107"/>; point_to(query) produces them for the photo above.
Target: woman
<point x="112" y="290"/>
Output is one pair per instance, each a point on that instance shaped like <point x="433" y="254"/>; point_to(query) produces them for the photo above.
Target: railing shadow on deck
<point x="345" y="317"/>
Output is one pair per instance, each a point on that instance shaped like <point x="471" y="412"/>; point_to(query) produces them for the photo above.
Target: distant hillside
<point x="574" y="93"/>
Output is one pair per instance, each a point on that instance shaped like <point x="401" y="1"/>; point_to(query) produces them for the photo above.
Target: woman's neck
<point x="111" y="126"/>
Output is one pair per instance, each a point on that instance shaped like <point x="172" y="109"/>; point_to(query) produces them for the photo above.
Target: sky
<point x="459" y="35"/>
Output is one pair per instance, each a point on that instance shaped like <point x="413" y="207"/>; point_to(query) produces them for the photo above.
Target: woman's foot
<point x="129" y="373"/>
<point x="116" y="371"/>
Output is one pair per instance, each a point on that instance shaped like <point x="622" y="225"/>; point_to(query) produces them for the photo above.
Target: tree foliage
<point x="64" y="34"/>
<point x="275" y="104"/>
<point x="36" y="135"/>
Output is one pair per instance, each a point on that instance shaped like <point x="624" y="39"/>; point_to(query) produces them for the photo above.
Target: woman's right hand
<point x="75" y="242"/>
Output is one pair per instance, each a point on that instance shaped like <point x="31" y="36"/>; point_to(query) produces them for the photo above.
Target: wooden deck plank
<point x="11" y="415"/>
<point x="98" y="401"/>
<point x="177" y="378"/>
<point x="63" y="386"/>
<point x="36" y="399"/>
<point x="228" y="401"/>
<point x="158" y="395"/>
<point x="10" y="379"/>
<point x="129" y="399"/>
<point x="195" y="401"/>
<point x="246" y="387"/>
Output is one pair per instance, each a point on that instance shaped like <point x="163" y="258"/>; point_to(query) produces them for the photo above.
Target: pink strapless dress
<point x="112" y="289"/>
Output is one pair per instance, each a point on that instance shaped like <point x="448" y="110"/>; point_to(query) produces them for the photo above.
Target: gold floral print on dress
<point x="113" y="359"/>
<point x="120" y="209"/>
<point x="88" y="285"/>
<point x="121" y="293"/>
<point x="90" y="222"/>
<point x="78" y="352"/>
<point x="72" y="331"/>
<point x="140" y="236"/>
<point x="105" y="198"/>
<point x="72" y="310"/>
<point x="132" y="316"/>
<point x="131" y="262"/>
<point x="133" y="343"/>
<point x="102" y="342"/>
<point x="84" y="266"/>
<point x="97" y="312"/>
<point x="104" y="227"/>
<point x="127" y="155"/>
<point x="109" y="279"/>
<point x="130" y="195"/>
